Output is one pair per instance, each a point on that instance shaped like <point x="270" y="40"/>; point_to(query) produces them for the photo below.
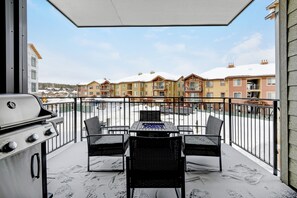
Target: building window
<point x="209" y="94"/>
<point x="237" y="95"/>
<point x="141" y="93"/>
<point x="209" y="84"/>
<point x="161" y="93"/>
<point x="117" y="86"/>
<point x="91" y="87"/>
<point x="222" y="95"/>
<point x="91" y="93"/>
<point x="236" y="82"/>
<point x="135" y="93"/>
<point x="135" y="85"/>
<point x="270" y="95"/>
<point x="33" y="74"/>
<point x="146" y="93"/>
<point x="178" y="93"/>
<point x="178" y="84"/>
<point x="97" y="93"/>
<point x="222" y="82"/>
<point x="33" y="61"/>
<point x="270" y="81"/>
<point x="124" y="85"/>
<point x="97" y="87"/>
<point x="33" y="87"/>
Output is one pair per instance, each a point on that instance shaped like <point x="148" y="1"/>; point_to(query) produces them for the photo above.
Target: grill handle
<point x="37" y="157"/>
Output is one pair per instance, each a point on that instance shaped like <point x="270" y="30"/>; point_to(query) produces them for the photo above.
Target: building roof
<point x="35" y="50"/>
<point x="146" y="77"/>
<point x="244" y="70"/>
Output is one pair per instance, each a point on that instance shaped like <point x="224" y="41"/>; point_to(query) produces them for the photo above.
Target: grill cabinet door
<point x="16" y="176"/>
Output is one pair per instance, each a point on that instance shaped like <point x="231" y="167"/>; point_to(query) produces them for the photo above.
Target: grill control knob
<point x="48" y="132"/>
<point x="10" y="146"/>
<point x="32" y="138"/>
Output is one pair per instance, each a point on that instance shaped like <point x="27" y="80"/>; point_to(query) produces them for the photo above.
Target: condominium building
<point x="33" y="68"/>
<point x="158" y="84"/>
<point x="246" y="81"/>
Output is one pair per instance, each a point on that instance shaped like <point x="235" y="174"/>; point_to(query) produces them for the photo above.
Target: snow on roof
<point x="101" y="81"/>
<point x="146" y="77"/>
<point x="43" y="91"/>
<point x="244" y="70"/>
<point x="83" y="83"/>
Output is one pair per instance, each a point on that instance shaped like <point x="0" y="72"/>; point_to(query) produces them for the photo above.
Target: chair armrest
<point x="205" y="135"/>
<point x="210" y="137"/>
<point x="115" y="127"/>
<point x="100" y="135"/>
<point x="96" y="135"/>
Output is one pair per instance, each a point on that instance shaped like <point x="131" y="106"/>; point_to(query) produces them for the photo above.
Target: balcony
<point x="252" y="87"/>
<point x="251" y="146"/>
<point x="104" y="88"/>
<point x="159" y="87"/>
<point x="193" y="89"/>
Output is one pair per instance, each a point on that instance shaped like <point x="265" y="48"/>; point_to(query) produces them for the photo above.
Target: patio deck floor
<point x="241" y="177"/>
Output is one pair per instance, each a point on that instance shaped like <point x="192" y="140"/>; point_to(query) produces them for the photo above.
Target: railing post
<point x="124" y="111"/>
<point x="275" y="152"/>
<point x="230" y="121"/>
<point x="81" y="119"/>
<point x="178" y="110"/>
<point x="75" y="120"/>
<point x="224" y="115"/>
<point x="129" y="111"/>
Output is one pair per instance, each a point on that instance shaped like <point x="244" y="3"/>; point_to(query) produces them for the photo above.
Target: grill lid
<point x="21" y="109"/>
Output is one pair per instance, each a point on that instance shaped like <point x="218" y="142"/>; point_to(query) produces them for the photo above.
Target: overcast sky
<point x="72" y="55"/>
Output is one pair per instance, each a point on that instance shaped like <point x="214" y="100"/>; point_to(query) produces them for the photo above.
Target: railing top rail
<point x="165" y="97"/>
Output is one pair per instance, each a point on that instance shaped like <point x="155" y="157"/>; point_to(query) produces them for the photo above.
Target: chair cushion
<point x="109" y="145"/>
<point x="201" y="145"/>
<point x="199" y="140"/>
<point x="117" y="139"/>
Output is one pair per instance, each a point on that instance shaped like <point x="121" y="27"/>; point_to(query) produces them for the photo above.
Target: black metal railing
<point x="67" y="130"/>
<point x="248" y="123"/>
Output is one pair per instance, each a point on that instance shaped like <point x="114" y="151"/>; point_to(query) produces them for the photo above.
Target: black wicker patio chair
<point x="208" y="144"/>
<point x="155" y="162"/>
<point x="154" y="116"/>
<point x="100" y="144"/>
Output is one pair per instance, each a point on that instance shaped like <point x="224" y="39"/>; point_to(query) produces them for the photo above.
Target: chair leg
<point x="123" y="162"/>
<point x="176" y="192"/>
<point x="220" y="163"/>
<point x="186" y="167"/>
<point x="133" y="192"/>
<point x="183" y="191"/>
<point x="88" y="163"/>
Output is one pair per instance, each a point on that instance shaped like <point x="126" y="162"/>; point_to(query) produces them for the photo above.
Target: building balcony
<point x="253" y="87"/>
<point x="159" y="87"/>
<point x="104" y="88"/>
<point x="193" y="89"/>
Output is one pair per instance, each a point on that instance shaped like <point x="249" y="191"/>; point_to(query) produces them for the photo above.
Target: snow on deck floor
<point x="241" y="177"/>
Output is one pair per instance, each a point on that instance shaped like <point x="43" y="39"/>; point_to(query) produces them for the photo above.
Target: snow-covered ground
<point x="241" y="177"/>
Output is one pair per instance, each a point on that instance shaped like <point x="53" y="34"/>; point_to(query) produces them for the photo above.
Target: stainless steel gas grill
<point x="24" y="127"/>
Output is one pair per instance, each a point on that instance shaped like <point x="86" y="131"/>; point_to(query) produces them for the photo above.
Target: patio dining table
<point x="153" y="129"/>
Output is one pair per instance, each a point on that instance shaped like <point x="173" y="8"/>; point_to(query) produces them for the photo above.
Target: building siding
<point x="292" y="88"/>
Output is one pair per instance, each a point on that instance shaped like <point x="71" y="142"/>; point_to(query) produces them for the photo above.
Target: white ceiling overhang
<point x="121" y="13"/>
